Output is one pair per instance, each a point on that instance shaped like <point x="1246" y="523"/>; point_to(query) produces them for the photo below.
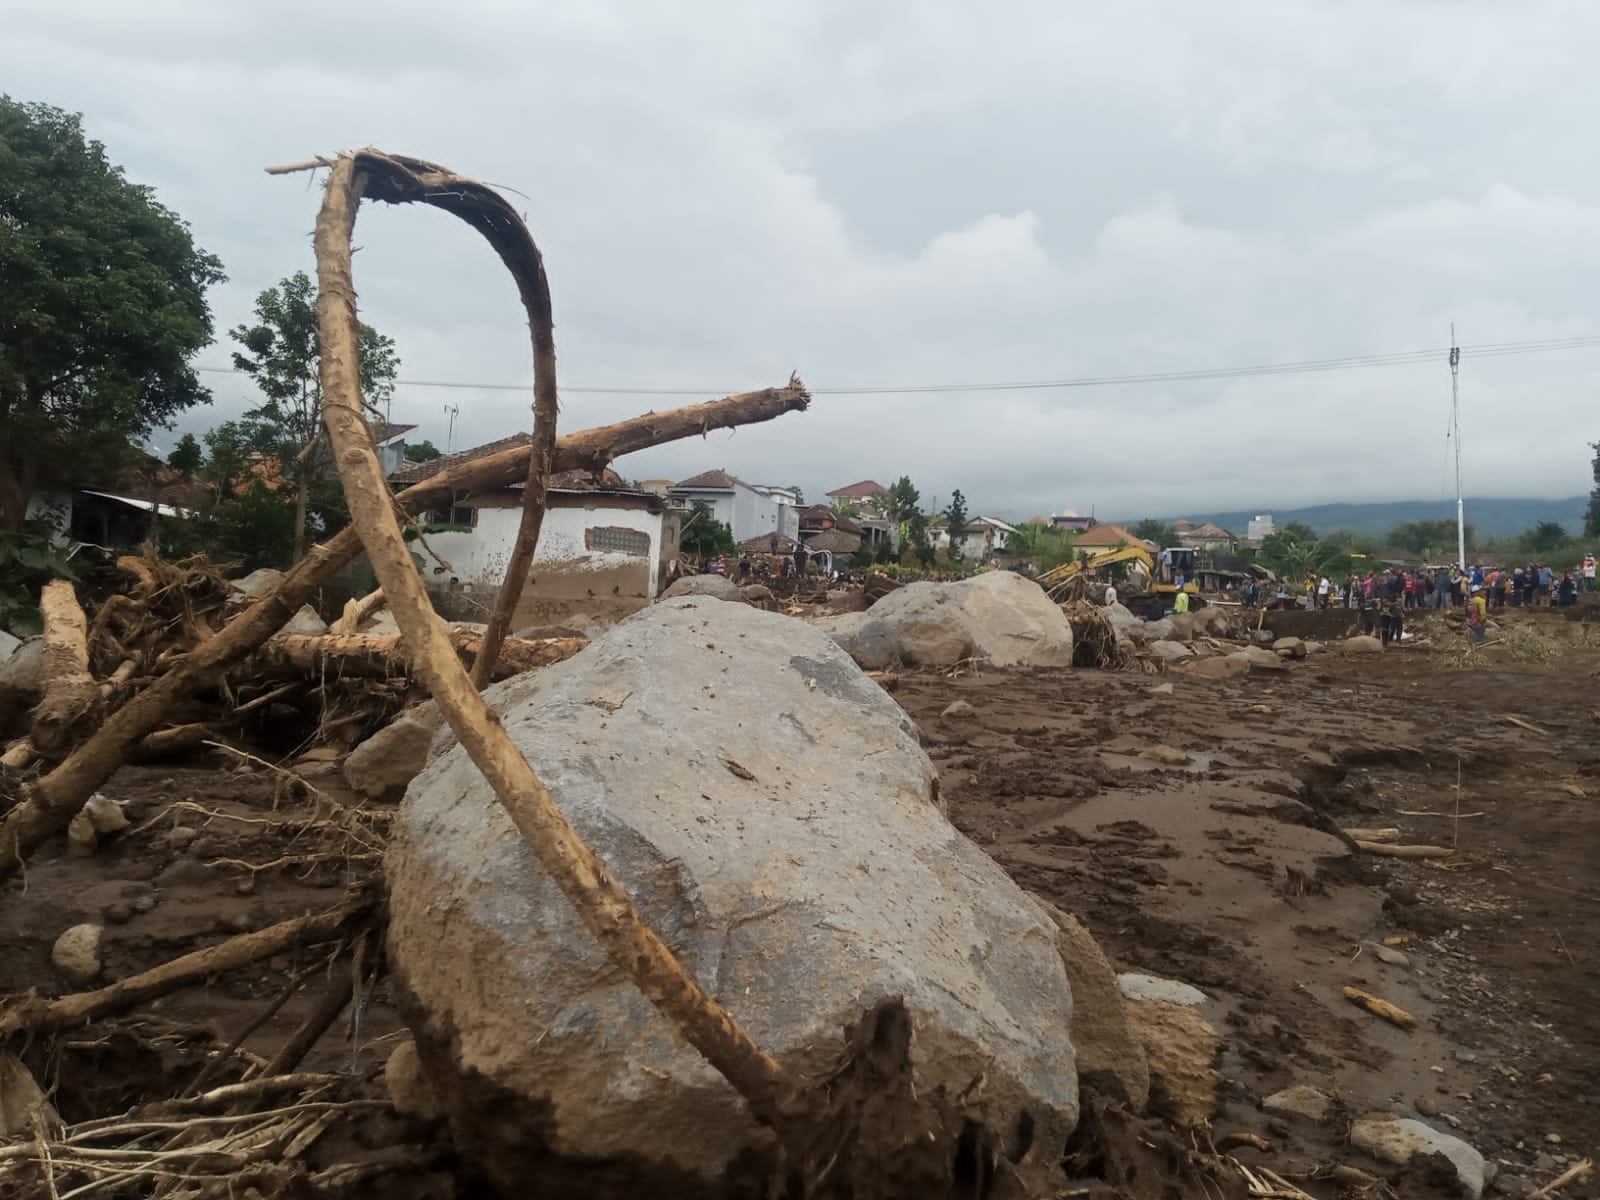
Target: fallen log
<point x="53" y="800"/>
<point x="1389" y="850"/>
<point x="357" y="610"/>
<point x="1379" y="1007"/>
<point x="35" y="1015"/>
<point x="384" y="654"/>
<point x="69" y="695"/>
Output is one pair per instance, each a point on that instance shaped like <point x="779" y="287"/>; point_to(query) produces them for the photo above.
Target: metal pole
<point x="1455" y="425"/>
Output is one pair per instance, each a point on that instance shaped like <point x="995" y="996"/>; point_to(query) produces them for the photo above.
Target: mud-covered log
<point x="384" y="654"/>
<point x="70" y="698"/>
<point x="53" y="801"/>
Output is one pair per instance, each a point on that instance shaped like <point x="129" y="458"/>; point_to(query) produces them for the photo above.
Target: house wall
<point x="748" y="513"/>
<point x="55" y="510"/>
<point x="568" y="579"/>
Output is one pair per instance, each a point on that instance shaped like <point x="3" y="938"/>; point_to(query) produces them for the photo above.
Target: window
<point x="617" y="540"/>
<point x="458" y="515"/>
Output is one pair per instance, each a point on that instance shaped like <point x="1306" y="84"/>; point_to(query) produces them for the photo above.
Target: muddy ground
<point x="1190" y="826"/>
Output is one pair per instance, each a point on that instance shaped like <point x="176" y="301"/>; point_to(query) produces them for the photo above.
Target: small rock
<point x="118" y="912"/>
<point x="321" y="754"/>
<point x="257" y="583"/>
<point x="76" y="954"/>
<point x="1151" y="987"/>
<point x="1552" y="1139"/>
<point x="1425" y="1105"/>
<point x="1181" y="1046"/>
<point x="1162" y="689"/>
<point x="1393" y="957"/>
<point x="959" y="710"/>
<point x="1400" y="1140"/>
<point x="1301" y="1100"/>
<point x="144" y="903"/>
<point x="186" y="872"/>
<point x="1290" y="647"/>
<point x="1263" y="637"/>
<point x="1172" y="652"/>
<point x="205" y="847"/>
<point x="1466" y="1056"/>
<point x="390" y="759"/>
<point x="1167" y="755"/>
<point x="1227" y="666"/>
<point x="1363" y="644"/>
<point x="105" y="814"/>
<point x="81" y="837"/>
<point x="1260" y="656"/>
<point x="306" y="622"/>
<point x="181" y="836"/>
<point x="409" y="1090"/>
<point x="1314" y="648"/>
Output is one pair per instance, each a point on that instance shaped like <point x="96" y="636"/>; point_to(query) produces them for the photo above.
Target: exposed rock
<point x="1228" y="666"/>
<point x="959" y="710"/>
<point x="1181" y="1046"/>
<point x="1160" y="631"/>
<point x="1162" y="689"/>
<point x="1152" y="987"/>
<point x="1101" y="1035"/>
<point x="867" y="640"/>
<point x="1260" y="656"/>
<point x="381" y="623"/>
<point x="21" y="669"/>
<point x="306" y="623"/>
<point x="1400" y="1140"/>
<point x="1172" y="652"/>
<point x="105" y="814"/>
<point x="1179" y="627"/>
<point x="1363" y="644"/>
<point x="824" y="881"/>
<point x="391" y="758"/>
<point x="1212" y="619"/>
<point x="1000" y="615"/>
<point x="1291" y="646"/>
<point x="759" y="595"/>
<point x="1125" y="625"/>
<point x="1169" y="756"/>
<point x="76" y="954"/>
<point x="1388" y="954"/>
<point x="1263" y="637"/>
<point x="409" y="1090"/>
<point x="24" y="1107"/>
<point x="719" y="587"/>
<point x="1314" y="648"/>
<point x="81" y="837"/>
<point x="9" y="643"/>
<point x="258" y="583"/>
<point x="1301" y="1100"/>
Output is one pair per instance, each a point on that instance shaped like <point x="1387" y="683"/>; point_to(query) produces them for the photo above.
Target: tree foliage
<point x="282" y="353"/>
<point x="1295" y="552"/>
<point x="102" y="307"/>
<point x="703" y="534"/>
<point x="1432" y="541"/>
<point x="955" y="521"/>
<point x="186" y="456"/>
<point x="423" y="451"/>
<point x="901" y="500"/>
<point x="1045" y="546"/>
<point x="28" y="561"/>
<point x="1163" y="533"/>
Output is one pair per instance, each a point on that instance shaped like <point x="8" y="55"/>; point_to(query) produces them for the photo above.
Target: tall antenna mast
<point x="1455" y="428"/>
<point x="450" y="410"/>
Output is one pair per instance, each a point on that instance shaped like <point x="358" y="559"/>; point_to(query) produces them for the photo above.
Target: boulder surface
<point x="998" y="615"/>
<point x="769" y="809"/>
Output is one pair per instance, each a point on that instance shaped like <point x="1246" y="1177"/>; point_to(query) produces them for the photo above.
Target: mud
<point x="1195" y="833"/>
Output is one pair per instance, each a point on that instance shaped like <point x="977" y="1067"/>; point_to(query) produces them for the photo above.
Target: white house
<point x="1260" y="527"/>
<point x="604" y="548"/>
<point x="750" y="510"/>
<point x="980" y="538"/>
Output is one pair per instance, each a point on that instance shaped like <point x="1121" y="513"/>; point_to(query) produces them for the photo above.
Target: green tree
<point x="186" y="456"/>
<point x="1591" y="519"/>
<point x="703" y="534"/>
<point x="955" y="521"/>
<point x="423" y="451"/>
<point x="799" y="496"/>
<point x="1432" y="541"/>
<point x="1163" y="533"/>
<point x="281" y="352"/>
<point x="901" y="500"/>
<point x="102" y="307"/>
<point x="1545" y="538"/>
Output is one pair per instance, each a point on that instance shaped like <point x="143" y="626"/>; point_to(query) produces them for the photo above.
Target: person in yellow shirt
<point x="1477" y="616"/>
<point x="1181" y="604"/>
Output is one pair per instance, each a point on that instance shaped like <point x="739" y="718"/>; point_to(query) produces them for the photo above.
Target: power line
<point x="1193" y="375"/>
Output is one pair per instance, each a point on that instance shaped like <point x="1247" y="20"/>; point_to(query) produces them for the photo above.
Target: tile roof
<point x="717" y="478"/>
<point x="1108" y="535"/>
<point x="863" y="490"/>
<point x="412" y="472"/>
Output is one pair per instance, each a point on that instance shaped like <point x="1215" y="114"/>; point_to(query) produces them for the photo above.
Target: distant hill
<point x="1490" y="517"/>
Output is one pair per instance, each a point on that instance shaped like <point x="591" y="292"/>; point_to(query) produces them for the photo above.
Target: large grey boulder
<point x="718" y="586"/>
<point x="998" y="615"/>
<point x="769" y="809"/>
<point x="866" y="639"/>
<point x="393" y="756"/>
<point x="1399" y="1141"/>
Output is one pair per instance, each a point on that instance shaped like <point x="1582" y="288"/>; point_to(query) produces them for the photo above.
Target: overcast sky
<point x="925" y="193"/>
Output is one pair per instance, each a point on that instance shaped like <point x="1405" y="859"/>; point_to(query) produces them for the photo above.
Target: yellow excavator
<point x="1058" y="580"/>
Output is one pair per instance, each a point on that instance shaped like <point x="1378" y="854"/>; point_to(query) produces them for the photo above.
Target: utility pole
<point x="451" y="411"/>
<point x="1455" y="428"/>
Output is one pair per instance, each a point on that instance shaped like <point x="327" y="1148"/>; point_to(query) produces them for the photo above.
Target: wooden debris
<point x="357" y="610"/>
<point x="1379" y="1007"/>
<point x="1578" y="1170"/>
<point x="384" y="654"/>
<point x="70" y="695"/>
<point x="1528" y="725"/>
<point x="1389" y="850"/>
<point x="1243" y="1137"/>
<point x="1387" y="834"/>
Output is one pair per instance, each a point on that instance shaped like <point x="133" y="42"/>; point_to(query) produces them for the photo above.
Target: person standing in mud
<point x="1477" y="617"/>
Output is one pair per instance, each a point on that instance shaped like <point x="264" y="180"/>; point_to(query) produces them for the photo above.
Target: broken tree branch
<point x="1379" y="1007"/>
<point x="602" y="904"/>
<point x="51" y="803"/>
<point x="33" y="1015"/>
<point x="1389" y="850"/>
<point x="357" y="610"/>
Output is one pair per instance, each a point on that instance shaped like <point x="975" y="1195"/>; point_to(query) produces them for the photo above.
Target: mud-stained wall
<point x="1319" y="626"/>
<point x="593" y="560"/>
